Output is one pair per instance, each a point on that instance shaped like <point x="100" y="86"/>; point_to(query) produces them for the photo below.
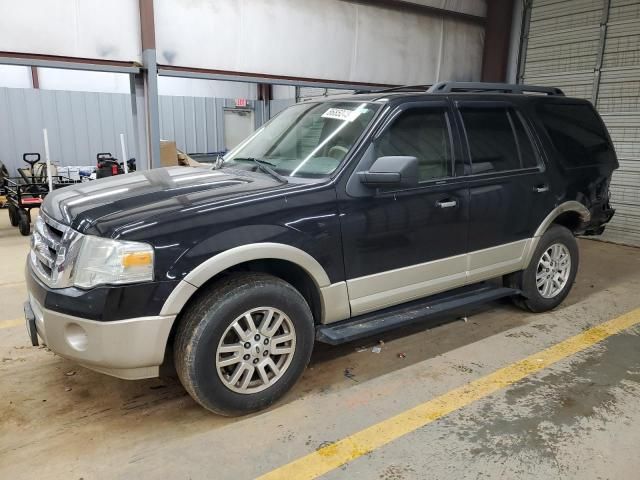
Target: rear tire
<point x="226" y="343"/>
<point x="24" y="224"/>
<point x="548" y="279"/>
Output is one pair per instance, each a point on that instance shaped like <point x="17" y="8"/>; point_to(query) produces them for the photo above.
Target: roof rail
<point x="447" y="87"/>
<point x="401" y="88"/>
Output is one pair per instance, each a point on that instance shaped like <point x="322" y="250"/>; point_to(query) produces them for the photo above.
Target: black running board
<point x="443" y="304"/>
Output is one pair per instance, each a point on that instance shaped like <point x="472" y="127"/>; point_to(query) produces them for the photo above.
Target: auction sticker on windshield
<point x="342" y="114"/>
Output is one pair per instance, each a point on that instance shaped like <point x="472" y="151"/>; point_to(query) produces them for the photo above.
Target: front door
<point x="400" y="245"/>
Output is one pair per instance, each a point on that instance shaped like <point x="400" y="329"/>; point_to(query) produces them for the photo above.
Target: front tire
<point x="243" y="343"/>
<point x="548" y="279"/>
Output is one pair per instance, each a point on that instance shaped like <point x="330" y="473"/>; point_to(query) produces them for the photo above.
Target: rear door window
<point x="498" y="140"/>
<point x="577" y="133"/>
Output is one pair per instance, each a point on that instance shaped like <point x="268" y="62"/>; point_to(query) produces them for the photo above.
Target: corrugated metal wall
<point x="79" y="125"/>
<point x="591" y="49"/>
<point x="82" y="124"/>
<point x="280" y="104"/>
<point x="195" y="123"/>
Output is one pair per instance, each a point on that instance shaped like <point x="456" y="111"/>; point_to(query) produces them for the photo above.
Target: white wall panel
<point x="83" y="81"/>
<point x="322" y="39"/>
<point x="15" y="76"/>
<point x="195" y="87"/>
<point x="78" y="28"/>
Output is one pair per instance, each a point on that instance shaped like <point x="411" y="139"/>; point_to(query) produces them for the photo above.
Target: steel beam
<point x="419" y="8"/>
<point x="204" y="74"/>
<point x="69" y="63"/>
<point x="35" y="81"/>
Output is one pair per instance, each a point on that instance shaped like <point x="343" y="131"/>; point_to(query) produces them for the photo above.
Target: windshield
<point x="307" y="140"/>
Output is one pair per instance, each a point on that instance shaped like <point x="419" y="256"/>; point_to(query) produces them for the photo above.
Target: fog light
<point x="76" y="336"/>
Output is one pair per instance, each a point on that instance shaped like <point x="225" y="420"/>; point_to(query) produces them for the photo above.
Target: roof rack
<point x="448" y="87"/>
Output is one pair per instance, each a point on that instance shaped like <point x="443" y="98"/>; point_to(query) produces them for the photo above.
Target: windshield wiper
<point x="265" y="166"/>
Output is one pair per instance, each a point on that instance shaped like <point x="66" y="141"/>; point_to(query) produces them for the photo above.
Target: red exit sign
<point x="241" y="102"/>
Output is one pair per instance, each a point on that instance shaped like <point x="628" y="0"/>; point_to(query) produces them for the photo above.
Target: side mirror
<point x="391" y="172"/>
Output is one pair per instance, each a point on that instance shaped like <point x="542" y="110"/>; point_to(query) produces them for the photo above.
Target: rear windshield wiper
<point x="265" y="166"/>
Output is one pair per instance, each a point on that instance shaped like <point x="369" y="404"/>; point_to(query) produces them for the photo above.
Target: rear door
<point x="509" y="194"/>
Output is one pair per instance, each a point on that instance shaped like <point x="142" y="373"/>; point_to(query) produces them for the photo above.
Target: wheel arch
<point x="571" y="214"/>
<point x="328" y="301"/>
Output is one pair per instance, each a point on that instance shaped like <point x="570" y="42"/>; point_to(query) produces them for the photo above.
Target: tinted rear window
<point x="497" y="139"/>
<point x="578" y="134"/>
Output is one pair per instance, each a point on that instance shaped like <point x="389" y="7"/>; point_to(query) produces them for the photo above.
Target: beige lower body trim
<point x="130" y="349"/>
<point x="335" y="302"/>
<point x="492" y="262"/>
<point x="127" y="373"/>
<point x="401" y="285"/>
<point x="381" y="290"/>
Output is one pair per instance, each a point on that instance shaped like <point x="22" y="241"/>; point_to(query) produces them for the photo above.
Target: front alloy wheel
<point x="243" y="342"/>
<point x="256" y="350"/>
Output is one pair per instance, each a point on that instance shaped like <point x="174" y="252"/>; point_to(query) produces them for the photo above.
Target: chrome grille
<point x="51" y="248"/>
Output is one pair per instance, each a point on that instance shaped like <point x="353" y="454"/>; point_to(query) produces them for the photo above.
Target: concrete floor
<point x="578" y="419"/>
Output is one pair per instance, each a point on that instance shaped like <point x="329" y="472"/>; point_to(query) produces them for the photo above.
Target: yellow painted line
<point x="11" y="323"/>
<point x="365" y="441"/>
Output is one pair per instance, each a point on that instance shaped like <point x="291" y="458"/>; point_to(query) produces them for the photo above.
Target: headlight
<point x="102" y="260"/>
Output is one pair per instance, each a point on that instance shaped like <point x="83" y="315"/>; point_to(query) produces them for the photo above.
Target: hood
<point x="125" y="199"/>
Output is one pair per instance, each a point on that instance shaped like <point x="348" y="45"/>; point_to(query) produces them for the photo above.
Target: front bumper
<point x="131" y="349"/>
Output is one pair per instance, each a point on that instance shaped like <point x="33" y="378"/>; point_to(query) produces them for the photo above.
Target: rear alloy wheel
<point x="554" y="268"/>
<point x="243" y="343"/>
<point x="548" y="279"/>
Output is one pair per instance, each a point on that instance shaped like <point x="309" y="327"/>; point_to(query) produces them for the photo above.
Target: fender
<point x="335" y="304"/>
<point x="570" y="206"/>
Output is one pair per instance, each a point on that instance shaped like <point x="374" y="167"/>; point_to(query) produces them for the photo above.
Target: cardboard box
<point x="170" y="156"/>
<point x="168" y="153"/>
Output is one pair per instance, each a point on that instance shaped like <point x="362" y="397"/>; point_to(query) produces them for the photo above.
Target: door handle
<point x="446" y="203"/>
<point x="541" y="188"/>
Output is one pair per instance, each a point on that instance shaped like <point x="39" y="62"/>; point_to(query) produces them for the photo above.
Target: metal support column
<point x="139" y="114"/>
<point x="144" y="93"/>
<point x="495" y="55"/>
<point x="603" y="38"/>
<point x="524" y="40"/>
<point x="152" y="103"/>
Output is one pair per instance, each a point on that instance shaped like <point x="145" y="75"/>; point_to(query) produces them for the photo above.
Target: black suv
<point x="336" y="220"/>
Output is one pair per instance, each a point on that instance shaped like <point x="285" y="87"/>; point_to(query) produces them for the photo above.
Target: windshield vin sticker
<point x="342" y="114"/>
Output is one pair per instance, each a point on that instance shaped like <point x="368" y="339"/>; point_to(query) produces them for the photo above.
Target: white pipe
<point x="47" y="158"/>
<point x="124" y="154"/>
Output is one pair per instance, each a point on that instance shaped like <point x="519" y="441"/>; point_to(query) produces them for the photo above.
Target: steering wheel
<point x="338" y="152"/>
